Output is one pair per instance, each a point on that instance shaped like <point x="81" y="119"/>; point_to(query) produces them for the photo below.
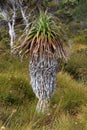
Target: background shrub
<point x="77" y="65"/>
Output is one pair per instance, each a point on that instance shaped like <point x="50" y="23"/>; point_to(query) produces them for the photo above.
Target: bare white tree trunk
<point x="11" y="24"/>
<point x="23" y="12"/>
<point x="43" y="79"/>
<point x="25" y="17"/>
<point x="11" y="32"/>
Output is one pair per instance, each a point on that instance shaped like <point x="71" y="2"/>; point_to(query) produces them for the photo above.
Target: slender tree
<point x="23" y="5"/>
<point x="44" y="45"/>
<point x="8" y="11"/>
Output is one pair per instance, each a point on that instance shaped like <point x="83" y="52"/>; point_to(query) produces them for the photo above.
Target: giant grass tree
<point x="44" y="45"/>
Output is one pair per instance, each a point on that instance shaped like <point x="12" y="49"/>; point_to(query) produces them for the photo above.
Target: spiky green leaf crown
<point x="44" y="37"/>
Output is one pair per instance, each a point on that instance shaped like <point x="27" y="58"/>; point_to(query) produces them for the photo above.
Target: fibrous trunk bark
<point x="43" y="79"/>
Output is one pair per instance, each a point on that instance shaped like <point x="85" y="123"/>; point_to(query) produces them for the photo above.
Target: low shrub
<point x="81" y="37"/>
<point x="15" y="89"/>
<point x="77" y="65"/>
<point x="4" y="39"/>
<point x="69" y="95"/>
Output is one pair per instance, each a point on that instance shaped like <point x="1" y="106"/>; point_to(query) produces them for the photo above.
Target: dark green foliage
<point x="65" y="10"/>
<point x="80" y="12"/>
<point x="77" y="65"/>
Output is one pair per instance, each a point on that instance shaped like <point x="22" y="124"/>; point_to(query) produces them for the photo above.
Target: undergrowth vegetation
<point x="77" y="65"/>
<point x="81" y="37"/>
<point x="17" y="100"/>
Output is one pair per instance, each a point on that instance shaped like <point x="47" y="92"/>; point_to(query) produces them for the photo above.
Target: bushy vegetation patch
<point x="77" y="65"/>
<point x="4" y="39"/>
<point x="81" y="37"/>
<point x="69" y="95"/>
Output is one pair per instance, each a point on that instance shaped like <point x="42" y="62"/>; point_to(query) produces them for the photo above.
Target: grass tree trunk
<point x="43" y="79"/>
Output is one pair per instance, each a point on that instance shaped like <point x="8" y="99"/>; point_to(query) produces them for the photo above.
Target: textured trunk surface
<point x="43" y="79"/>
<point x="11" y="24"/>
<point x="11" y="33"/>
